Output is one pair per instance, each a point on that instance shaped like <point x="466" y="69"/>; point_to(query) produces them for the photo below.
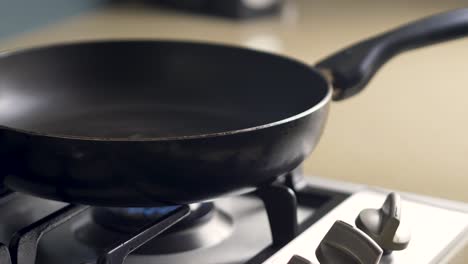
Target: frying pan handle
<point x="351" y="68"/>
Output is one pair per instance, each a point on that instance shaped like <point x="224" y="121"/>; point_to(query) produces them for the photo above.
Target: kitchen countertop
<point x="406" y="131"/>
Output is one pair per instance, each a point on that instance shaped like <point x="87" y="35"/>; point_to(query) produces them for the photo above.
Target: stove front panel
<point x="435" y="231"/>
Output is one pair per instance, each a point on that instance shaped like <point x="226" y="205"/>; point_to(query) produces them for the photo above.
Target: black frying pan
<point x="149" y="123"/>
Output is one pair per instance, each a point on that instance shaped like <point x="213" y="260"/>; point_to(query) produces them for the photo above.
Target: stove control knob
<point x="345" y="244"/>
<point x="383" y="225"/>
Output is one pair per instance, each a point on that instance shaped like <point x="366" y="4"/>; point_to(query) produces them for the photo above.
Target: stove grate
<point x="4" y="254"/>
<point x="281" y="206"/>
<point x="117" y="253"/>
<point x="23" y="245"/>
<point x="281" y="200"/>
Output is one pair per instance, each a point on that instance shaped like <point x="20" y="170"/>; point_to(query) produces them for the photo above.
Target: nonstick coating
<point x="151" y="90"/>
<point x="145" y="123"/>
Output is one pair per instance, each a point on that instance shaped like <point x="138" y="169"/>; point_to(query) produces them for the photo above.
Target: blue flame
<point x="151" y="210"/>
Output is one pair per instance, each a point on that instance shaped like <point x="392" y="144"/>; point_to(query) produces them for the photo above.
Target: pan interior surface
<point x="151" y="89"/>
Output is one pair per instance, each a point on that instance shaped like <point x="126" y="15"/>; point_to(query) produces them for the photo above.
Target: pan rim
<point x="325" y="100"/>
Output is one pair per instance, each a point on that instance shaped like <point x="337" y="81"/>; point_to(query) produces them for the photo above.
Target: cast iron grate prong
<point x="281" y="206"/>
<point x="117" y="253"/>
<point x="23" y="245"/>
<point x="4" y="254"/>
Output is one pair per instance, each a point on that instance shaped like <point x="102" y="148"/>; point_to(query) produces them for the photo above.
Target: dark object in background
<point x="151" y="123"/>
<point x="237" y="9"/>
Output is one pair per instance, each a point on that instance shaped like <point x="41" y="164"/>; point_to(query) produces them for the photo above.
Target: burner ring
<point x="128" y="220"/>
<point x="204" y="227"/>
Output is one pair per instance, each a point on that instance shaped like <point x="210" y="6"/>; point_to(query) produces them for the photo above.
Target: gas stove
<point x="290" y="221"/>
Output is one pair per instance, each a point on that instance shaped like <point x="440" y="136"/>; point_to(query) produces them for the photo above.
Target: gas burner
<point x="202" y="228"/>
<point x="128" y="220"/>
